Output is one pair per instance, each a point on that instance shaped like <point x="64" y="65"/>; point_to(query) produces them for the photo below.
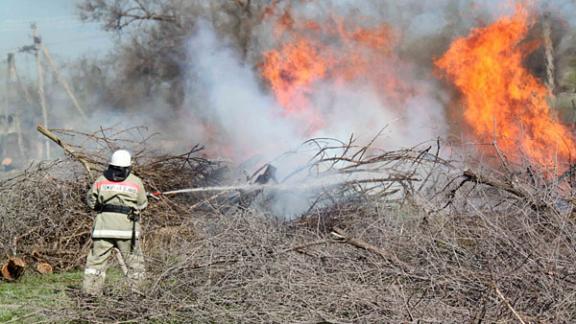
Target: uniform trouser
<point x="95" y="270"/>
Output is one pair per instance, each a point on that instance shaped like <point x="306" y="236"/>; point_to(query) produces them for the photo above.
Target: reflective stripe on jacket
<point x="129" y="193"/>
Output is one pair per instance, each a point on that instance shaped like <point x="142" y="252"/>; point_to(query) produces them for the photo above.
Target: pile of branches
<point x="44" y="216"/>
<point x="501" y="250"/>
<point x="480" y="246"/>
<point x="386" y="235"/>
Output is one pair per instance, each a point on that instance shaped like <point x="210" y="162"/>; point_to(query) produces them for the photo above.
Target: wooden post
<point x="63" y="81"/>
<point x="10" y="89"/>
<point x="21" y="87"/>
<point x="3" y="107"/>
<point x="4" y="112"/>
<point x="40" y="76"/>
<point x="10" y="67"/>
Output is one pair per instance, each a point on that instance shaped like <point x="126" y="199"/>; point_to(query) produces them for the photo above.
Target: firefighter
<point x="118" y="197"/>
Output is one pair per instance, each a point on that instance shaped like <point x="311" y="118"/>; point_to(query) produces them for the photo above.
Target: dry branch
<point x="493" y="182"/>
<point x="505" y="300"/>
<point x="67" y="148"/>
<point x="340" y="234"/>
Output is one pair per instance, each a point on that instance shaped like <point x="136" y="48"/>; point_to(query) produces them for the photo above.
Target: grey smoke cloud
<point x="229" y="96"/>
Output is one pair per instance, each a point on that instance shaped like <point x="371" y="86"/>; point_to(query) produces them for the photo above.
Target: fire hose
<point x="248" y="187"/>
<point x="278" y="187"/>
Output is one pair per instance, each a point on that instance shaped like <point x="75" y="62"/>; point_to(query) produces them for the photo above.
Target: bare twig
<point x="501" y="296"/>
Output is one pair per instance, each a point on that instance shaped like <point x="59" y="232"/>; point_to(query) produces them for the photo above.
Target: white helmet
<point x="121" y="158"/>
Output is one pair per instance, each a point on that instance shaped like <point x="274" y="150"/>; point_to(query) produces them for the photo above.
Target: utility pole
<point x="11" y="101"/>
<point x="10" y="73"/>
<point x="63" y="82"/>
<point x="3" y="107"/>
<point x="13" y="72"/>
<point x="40" y="76"/>
<point x="4" y="128"/>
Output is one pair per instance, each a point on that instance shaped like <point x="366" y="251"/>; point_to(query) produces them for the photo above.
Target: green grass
<point x="20" y="300"/>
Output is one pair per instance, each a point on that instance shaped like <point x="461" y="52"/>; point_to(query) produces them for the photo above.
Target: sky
<point x="65" y="35"/>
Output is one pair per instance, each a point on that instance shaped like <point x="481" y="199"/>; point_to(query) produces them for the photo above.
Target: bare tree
<point x="152" y="49"/>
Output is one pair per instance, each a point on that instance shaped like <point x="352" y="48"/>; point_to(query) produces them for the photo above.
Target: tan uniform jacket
<point x="129" y="193"/>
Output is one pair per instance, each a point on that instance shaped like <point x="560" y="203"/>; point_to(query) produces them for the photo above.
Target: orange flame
<point x="332" y="51"/>
<point x="292" y="70"/>
<point x="503" y="101"/>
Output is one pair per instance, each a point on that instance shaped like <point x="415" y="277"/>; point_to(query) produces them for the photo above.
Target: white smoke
<point x="228" y="96"/>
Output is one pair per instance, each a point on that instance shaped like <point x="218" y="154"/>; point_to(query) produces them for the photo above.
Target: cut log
<point x="44" y="268"/>
<point x="13" y="269"/>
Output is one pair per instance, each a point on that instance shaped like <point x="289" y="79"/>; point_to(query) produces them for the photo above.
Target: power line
<point x="61" y="25"/>
<point x="40" y="19"/>
<point x="27" y="21"/>
<point x="3" y="54"/>
<point x="69" y="40"/>
<point x="24" y="24"/>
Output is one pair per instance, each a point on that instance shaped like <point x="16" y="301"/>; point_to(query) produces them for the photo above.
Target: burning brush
<point x="503" y="103"/>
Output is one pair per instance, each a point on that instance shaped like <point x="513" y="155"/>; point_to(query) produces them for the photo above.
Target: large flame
<point x="333" y="51"/>
<point x="503" y="102"/>
<point x="292" y="70"/>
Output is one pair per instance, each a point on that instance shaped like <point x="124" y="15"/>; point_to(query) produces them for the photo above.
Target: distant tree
<point x="151" y="53"/>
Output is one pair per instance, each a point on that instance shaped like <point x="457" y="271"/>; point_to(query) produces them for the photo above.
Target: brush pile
<point x="391" y="236"/>
<point x="44" y="217"/>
